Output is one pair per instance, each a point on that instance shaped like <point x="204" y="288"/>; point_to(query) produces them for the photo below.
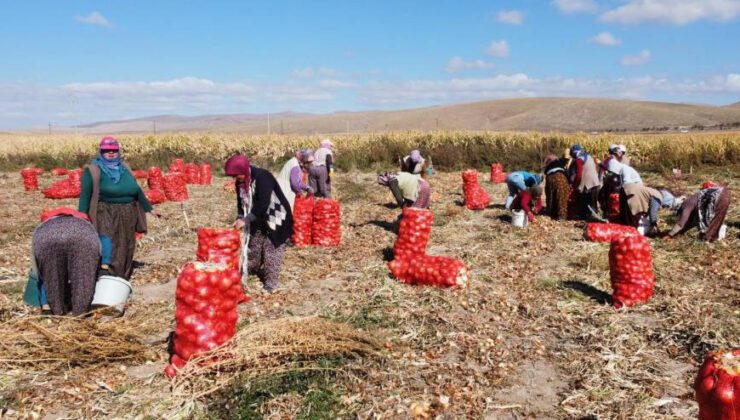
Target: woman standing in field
<point x="65" y="257"/>
<point x="584" y="179"/>
<point x="293" y="177"/>
<point x="556" y="188"/>
<point x="115" y="204"/>
<point x="264" y="213"/>
<point x="322" y="170"/>
<point x="409" y="190"/>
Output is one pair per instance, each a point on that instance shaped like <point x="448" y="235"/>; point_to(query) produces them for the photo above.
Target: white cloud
<point x="575" y="6"/>
<point x="606" y="38"/>
<point x="676" y="12"/>
<point x="636" y="60"/>
<point x="306" y="73"/>
<point x="457" y="64"/>
<point x="335" y="84"/>
<point x="94" y="18"/>
<point x="733" y="82"/>
<point x="498" y="49"/>
<point x="512" y="17"/>
<point x="327" y="72"/>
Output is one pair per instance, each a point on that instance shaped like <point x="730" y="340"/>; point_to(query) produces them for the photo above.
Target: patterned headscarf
<point x="384" y="178"/>
<point x="239" y="165"/>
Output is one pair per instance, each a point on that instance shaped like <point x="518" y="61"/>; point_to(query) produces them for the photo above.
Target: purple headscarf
<point x="239" y="165"/>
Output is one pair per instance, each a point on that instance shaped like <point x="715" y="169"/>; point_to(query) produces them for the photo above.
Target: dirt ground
<point x="533" y="336"/>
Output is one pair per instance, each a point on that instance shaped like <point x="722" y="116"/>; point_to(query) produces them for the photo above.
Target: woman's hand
<point x="239" y="224"/>
<point x="155" y="214"/>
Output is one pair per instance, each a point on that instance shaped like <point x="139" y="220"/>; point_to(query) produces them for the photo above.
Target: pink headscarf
<point x="239" y="165"/>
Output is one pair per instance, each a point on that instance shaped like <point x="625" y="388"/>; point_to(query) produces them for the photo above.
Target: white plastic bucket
<point x="519" y="218"/>
<point x="643" y="226"/>
<point x="722" y="234"/>
<point x="111" y="291"/>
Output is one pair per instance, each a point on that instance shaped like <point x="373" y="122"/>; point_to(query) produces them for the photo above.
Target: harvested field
<point x="534" y="335"/>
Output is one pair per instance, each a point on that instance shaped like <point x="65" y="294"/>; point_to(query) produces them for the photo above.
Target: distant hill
<point x="534" y="114"/>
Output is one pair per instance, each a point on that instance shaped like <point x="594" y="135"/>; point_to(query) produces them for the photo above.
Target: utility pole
<point x="282" y="132"/>
<point x="268" y="123"/>
<point x="347" y="126"/>
<point x="154" y="126"/>
<point x="437" y="122"/>
<point x="49" y="127"/>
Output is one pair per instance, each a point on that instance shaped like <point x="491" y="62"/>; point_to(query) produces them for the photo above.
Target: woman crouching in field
<point x="65" y="258"/>
<point x="408" y="189"/>
<point x="264" y="213"/>
<point x="706" y="210"/>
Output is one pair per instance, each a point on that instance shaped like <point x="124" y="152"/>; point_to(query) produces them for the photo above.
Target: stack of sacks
<point x="302" y="220"/>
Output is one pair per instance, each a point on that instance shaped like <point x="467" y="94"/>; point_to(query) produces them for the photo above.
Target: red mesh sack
<point x="192" y="173"/>
<point x="326" y="229"/>
<point x="219" y="245"/>
<point x="62" y="189"/>
<point x="613" y="210"/>
<point x="59" y="172"/>
<point x="206" y="176"/>
<point x="206" y="298"/>
<point x="30" y="179"/>
<point x="475" y="197"/>
<point x="74" y="177"/>
<point x="413" y="232"/>
<point x="39" y="171"/>
<point x="177" y="165"/>
<point x="497" y="173"/>
<point x="302" y="220"/>
<point x="139" y="174"/>
<point x="429" y="270"/>
<point x="607" y="232"/>
<point x="155" y="196"/>
<point x="155" y="178"/>
<point x="717" y="386"/>
<point x="175" y="188"/>
<point x="631" y="270"/>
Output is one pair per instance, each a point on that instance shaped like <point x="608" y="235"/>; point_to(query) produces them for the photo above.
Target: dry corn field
<point x="532" y="336"/>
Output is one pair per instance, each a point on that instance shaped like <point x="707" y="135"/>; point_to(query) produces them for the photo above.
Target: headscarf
<point x="305" y="154"/>
<point x="384" y="178"/>
<point x="577" y="152"/>
<point x="239" y="165"/>
<point x="326" y="144"/>
<point x="113" y="168"/>
<point x="550" y="159"/>
<point x="537" y="179"/>
<point x="415" y="156"/>
<point x="536" y="191"/>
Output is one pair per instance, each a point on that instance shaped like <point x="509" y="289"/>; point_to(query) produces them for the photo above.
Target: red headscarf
<point x="239" y="165"/>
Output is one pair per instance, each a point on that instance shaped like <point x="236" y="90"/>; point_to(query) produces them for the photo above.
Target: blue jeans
<point x="515" y="183"/>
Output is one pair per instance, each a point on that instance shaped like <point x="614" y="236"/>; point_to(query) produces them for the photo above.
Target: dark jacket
<point x="270" y="209"/>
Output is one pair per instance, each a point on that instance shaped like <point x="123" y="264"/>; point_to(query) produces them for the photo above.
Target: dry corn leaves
<point x="534" y="321"/>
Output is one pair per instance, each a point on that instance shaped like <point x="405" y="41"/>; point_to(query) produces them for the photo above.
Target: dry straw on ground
<point x="273" y="347"/>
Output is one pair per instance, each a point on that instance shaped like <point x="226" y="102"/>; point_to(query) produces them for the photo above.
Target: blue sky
<point x="74" y="62"/>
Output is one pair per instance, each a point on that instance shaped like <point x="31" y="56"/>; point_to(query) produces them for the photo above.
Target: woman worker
<point x="706" y="210"/>
<point x="556" y="187"/>
<point x="115" y="204"/>
<point x="529" y="200"/>
<point x="321" y="170"/>
<point x="293" y="177"/>
<point x="584" y="179"/>
<point x="65" y="259"/>
<point x="414" y="163"/>
<point x="264" y="213"/>
<point x="519" y="181"/>
<point x="409" y="190"/>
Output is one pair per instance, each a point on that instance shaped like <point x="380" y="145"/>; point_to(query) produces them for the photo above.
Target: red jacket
<point x="523" y="201"/>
